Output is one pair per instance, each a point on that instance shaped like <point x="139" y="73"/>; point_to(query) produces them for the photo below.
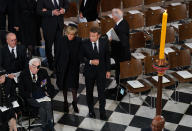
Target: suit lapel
<point x="50" y="1"/>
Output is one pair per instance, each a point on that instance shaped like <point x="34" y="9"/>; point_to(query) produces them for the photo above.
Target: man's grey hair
<point x="117" y="12"/>
<point x="34" y="60"/>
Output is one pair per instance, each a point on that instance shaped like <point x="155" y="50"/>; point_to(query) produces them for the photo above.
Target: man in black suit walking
<point x="13" y="57"/>
<point x="88" y="9"/>
<point x="120" y="50"/>
<point x="95" y="55"/>
<point x="52" y="12"/>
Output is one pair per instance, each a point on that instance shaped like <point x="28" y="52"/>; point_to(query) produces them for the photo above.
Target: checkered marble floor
<point x="178" y="115"/>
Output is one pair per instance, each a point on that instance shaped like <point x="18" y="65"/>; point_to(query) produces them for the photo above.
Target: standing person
<point x="120" y="50"/>
<point x="7" y="96"/>
<point x="88" y="9"/>
<point x="95" y="55"/>
<point x="67" y="65"/>
<point x="52" y="16"/>
<point x="26" y="18"/>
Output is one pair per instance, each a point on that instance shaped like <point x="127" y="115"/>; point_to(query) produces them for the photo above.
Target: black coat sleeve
<point x="40" y="6"/>
<point x="107" y="56"/>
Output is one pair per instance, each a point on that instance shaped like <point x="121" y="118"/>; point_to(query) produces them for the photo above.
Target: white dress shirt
<point x="97" y="43"/>
<point x="54" y="3"/>
<point x="85" y="2"/>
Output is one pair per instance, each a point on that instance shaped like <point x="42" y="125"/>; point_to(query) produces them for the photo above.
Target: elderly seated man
<point x="36" y="89"/>
<point x="7" y="103"/>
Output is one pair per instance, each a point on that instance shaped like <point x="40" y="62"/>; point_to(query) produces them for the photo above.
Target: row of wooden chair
<point x="134" y="68"/>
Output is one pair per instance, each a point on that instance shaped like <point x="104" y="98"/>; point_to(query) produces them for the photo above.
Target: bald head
<point x="158" y="123"/>
<point x="11" y="39"/>
<point x="117" y="14"/>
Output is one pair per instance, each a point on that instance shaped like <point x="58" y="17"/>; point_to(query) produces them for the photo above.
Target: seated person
<point x="36" y="88"/>
<point x="157" y="124"/>
<point x="13" y="57"/>
<point x="7" y="96"/>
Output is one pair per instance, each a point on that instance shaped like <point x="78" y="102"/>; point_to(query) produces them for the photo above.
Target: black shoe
<point x="66" y="107"/>
<point x="75" y="107"/>
<point x="103" y="116"/>
<point x="92" y="114"/>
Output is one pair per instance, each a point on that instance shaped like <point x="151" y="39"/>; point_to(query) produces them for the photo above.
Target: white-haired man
<point x="120" y="50"/>
<point x="36" y="89"/>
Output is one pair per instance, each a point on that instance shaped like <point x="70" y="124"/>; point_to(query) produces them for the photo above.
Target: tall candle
<point x="163" y="35"/>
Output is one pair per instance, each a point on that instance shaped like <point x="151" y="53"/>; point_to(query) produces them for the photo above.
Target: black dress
<point x="68" y="62"/>
<point x="7" y="95"/>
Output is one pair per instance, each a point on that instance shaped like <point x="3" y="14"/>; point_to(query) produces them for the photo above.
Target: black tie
<point x="56" y="5"/>
<point x="34" y="78"/>
<point x="95" y="50"/>
<point x="12" y="52"/>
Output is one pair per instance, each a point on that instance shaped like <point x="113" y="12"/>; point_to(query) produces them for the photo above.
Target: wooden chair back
<point x="72" y="11"/>
<point x="131" y="3"/>
<point x="147" y="2"/>
<point x="108" y="5"/>
<point x="137" y="40"/>
<point x="148" y="64"/>
<point x="106" y="24"/>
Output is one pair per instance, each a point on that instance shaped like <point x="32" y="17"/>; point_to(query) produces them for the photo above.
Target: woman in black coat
<point x="7" y="96"/>
<point x="67" y="65"/>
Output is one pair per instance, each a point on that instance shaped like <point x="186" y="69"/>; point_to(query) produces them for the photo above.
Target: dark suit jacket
<point x="9" y="88"/>
<point x="49" y="22"/>
<point x="123" y="49"/>
<point x="149" y="129"/>
<point x="67" y="61"/>
<point x="27" y="87"/>
<point x="89" y="11"/>
<point x="87" y="54"/>
<point x="8" y="62"/>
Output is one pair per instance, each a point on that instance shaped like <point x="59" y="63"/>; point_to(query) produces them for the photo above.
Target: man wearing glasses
<point x="36" y="88"/>
<point x="13" y="57"/>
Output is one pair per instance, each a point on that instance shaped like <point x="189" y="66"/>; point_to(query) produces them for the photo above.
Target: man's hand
<point x="62" y="11"/>
<point x="95" y="62"/>
<point x="108" y="75"/>
<point x="16" y="28"/>
<point x="80" y="15"/>
<point x="110" y="39"/>
<point x="56" y="12"/>
<point x="11" y="76"/>
<point x="44" y="9"/>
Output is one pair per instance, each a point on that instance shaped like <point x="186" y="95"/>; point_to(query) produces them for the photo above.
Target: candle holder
<point x="161" y="65"/>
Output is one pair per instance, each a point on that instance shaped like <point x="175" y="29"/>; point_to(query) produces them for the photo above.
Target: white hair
<point x="34" y="60"/>
<point x="117" y="12"/>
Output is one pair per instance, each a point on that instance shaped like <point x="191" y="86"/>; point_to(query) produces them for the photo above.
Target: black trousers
<point x="101" y="83"/>
<point x="51" y="38"/>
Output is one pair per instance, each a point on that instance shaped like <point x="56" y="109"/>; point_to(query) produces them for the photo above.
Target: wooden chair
<point x="177" y="12"/>
<point x="190" y="9"/>
<point x="72" y="11"/>
<point x="129" y="69"/>
<point x="151" y="72"/>
<point x="106" y="24"/>
<point x="131" y="3"/>
<point x="183" y="60"/>
<point x="134" y="20"/>
<point x="153" y="17"/>
<point x="108" y="5"/>
<point x="185" y="31"/>
<point x="137" y="40"/>
<point x="147" y="2"/>
<point x="84" y="28"/>
<point x="170" y="35"/>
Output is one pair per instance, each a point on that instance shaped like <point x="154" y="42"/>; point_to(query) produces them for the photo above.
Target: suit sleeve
<point x="65" y="5"/>
<point x="40" y="7"/>
<point x="81" y="6"/>
<point x="1" y="57"/>
<point x="13" y="91"/>
<point x="124" y="37"/>
<point x="83" y="57"/>
<point x="107" y="56"/>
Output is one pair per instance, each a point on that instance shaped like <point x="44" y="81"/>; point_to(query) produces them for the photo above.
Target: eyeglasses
<point x="34" y="66"/>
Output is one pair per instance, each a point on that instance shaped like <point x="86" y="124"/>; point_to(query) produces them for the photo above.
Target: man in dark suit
<point x="88" y="9"/>
<point x="52" y="12"/>
<point x="13" y="57"/>
<point x="95" y="55"/>
<point x="157" y="124"/>
<point x="120" y="50"/>
<point x="36" y="88"/>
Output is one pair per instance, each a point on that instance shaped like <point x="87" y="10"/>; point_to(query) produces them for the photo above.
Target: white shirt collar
<point x="84" y="2"/>
<point x="97" y="43"/>
<point x="54" y="3"/>
<point x="15" y="50"/>
<point x="119" y="21"/>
